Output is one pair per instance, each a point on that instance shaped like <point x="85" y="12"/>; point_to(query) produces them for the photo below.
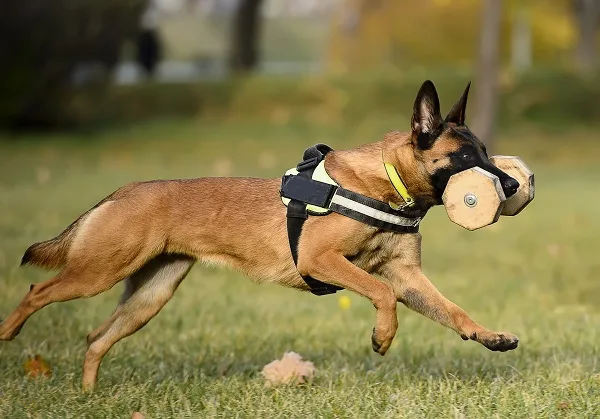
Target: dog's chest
<point x="380" y="247"/>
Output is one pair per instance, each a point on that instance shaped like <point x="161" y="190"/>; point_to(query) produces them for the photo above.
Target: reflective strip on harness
<point x="372" y="212"/>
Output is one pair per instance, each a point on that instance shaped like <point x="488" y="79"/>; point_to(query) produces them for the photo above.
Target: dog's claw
<point x="376" y="345"/>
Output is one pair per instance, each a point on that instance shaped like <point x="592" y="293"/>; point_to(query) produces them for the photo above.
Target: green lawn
<point x="536" y="275"/>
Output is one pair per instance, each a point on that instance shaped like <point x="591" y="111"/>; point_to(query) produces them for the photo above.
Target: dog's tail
<point x="51" y="254"/>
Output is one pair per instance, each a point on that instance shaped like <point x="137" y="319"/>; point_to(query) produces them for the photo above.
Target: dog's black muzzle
<point x="509" y="184"/>
<point x="510" y="187"/>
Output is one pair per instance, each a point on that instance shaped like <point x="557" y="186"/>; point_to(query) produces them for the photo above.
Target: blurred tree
<point x="148" y="50"/>
<point x="46" y="44"/>
<point x="148" y="40"/>
<point x="521" y="45"/>
<point x="586" y="13"/>
<point x="486" y="87"/>
<point x="406" y="33"/>
<point x="244" y="54"/>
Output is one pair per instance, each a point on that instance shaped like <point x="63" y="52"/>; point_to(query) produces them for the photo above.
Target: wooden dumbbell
<point x="473" y="198"/>
<point x="516" y="168"/>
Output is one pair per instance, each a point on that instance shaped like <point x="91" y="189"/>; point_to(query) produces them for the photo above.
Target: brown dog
<point x="151" y="233"/>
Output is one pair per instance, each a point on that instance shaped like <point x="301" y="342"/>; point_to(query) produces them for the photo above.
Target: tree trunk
<point x="487" y="72"/>
<point x="148" y="40"/>
<point x="521" y="39"/>
<point x="351" y="29"/>
<point x="586" y="12"/>
<point x="245" y="37"/>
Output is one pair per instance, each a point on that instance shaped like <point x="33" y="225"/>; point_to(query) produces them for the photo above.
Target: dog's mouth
<point x="509" y="185"/>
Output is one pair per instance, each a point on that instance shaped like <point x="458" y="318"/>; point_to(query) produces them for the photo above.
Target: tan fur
<point x="150" y="234"/>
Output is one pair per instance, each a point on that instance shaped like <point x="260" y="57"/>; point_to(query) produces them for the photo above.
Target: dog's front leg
<point x="414" y="290"/>
<point x="333" y="268"/>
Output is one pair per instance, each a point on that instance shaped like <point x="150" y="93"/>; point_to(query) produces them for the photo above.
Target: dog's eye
<point x="466" y="156"/>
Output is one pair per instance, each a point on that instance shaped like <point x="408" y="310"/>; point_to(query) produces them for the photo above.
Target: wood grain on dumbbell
<point x="473" y="198"/>
<point x="516" y="168"/>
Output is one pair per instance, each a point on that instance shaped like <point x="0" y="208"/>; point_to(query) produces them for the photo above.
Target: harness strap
<point x="350" y="204"/>
<point x="297" y="213"/>
<point x="372" y="212"/>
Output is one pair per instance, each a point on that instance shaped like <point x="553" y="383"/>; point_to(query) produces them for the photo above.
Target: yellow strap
<point x="398" y="184"/>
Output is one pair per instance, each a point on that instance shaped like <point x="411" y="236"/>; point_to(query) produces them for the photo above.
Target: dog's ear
<point x="426" y="117"/>
<point x="458" y="111"/>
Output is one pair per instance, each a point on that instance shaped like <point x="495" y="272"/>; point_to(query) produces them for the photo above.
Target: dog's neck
<point x="362" y="170"/>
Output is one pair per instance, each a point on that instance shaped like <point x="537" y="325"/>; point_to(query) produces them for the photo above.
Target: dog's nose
<point x="510" y="187"/>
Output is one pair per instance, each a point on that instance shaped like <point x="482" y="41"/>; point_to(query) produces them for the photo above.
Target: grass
<point x="535" y="275"/>
<point x="549" y="98"/>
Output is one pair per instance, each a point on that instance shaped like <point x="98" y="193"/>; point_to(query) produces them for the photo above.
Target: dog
<point x="150" y="234"/>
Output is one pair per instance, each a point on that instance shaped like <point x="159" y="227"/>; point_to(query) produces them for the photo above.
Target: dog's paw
<point x="379" y="346"/>
<point x="498" y="341"/>
<point x="7" y="334"/>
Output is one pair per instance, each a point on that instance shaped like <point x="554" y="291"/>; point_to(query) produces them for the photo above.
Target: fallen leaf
<point x="291" y="369"/>
<point x="37" y="367"/>
<point x="563" y="405"/>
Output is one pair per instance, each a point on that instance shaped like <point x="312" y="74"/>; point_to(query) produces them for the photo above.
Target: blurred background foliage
<point x="129" y="90"/>
<point x="65" y="62"/>
<point x="44" y="42"/>
<point x="437" y="33"/>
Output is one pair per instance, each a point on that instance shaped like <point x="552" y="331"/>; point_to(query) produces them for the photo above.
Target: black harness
<point x="302" y="190"/>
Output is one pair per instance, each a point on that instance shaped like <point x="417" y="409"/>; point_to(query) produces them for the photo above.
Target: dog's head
<point x="442" y="147"/>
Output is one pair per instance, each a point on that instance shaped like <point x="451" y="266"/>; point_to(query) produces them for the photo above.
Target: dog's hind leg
<point x="146" y="293"/>
<point x="67" y="285"/>
<point x="107" y="246"/>
<point x="37" y="297"/>
<point x="83" y="277"/>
